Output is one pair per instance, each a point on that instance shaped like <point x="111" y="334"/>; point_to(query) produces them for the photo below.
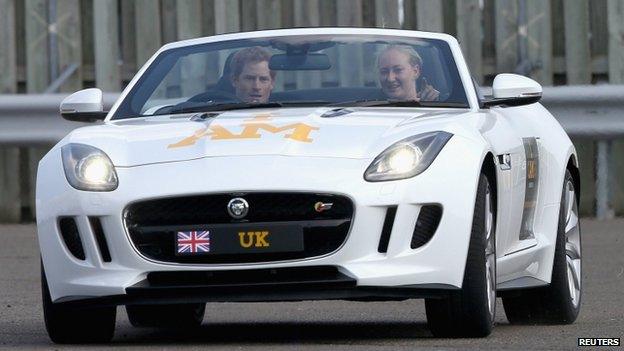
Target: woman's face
<point x="397" y="76"/>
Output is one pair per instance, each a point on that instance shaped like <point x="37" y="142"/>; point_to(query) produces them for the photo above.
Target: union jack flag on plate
<point x="193" y="242"/>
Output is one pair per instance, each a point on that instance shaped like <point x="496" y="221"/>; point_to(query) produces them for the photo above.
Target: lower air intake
<point x="426" y="225"/>
<point x="71" y="237"/>
<point x="387" y="229"/>
<point x="100" y="238"/>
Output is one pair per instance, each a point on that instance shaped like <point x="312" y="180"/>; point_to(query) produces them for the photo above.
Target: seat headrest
<point x="225" y="83"/>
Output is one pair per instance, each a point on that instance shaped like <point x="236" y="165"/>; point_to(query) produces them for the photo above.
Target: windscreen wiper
<point x="189" y="107"/>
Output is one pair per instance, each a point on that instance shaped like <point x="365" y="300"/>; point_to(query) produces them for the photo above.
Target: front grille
<point x="153" y="224"/>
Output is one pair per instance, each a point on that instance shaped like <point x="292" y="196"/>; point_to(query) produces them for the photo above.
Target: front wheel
<point x="72" y="325"/>
<point x="559" y="302"/>
<point x="470" y="311"/>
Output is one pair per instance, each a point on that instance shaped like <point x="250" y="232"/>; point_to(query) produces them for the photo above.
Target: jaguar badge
<point x="238" y="208"/>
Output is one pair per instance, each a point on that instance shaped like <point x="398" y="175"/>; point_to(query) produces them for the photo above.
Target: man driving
<point x="399" y="68"/>
<point x="251" y="77"/>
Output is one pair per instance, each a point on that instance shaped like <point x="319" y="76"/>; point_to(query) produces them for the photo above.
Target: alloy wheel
<point x="490" y="252"/>
<point x="572" y="243"/>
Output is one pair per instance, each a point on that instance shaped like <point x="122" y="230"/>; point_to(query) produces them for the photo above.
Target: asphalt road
<point x="322" y="325"/>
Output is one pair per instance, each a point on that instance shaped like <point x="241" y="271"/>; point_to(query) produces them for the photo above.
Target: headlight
<point x="407" y="158"/>
<point x="88" y="168"/>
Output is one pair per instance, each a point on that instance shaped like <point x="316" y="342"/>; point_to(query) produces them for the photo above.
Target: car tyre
<point x="166" y="316"/>
<point x="73" y="325"/>
<point x="560" y="301"/>
<point x="470" y="312"/>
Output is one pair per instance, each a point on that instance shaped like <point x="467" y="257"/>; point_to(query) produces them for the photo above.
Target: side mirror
<point x="514" y="90"/>
<point x="84" y="106"/>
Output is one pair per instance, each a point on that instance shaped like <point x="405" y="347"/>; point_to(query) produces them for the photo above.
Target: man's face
<point x="254" y="84"/>
<point x="397" y="76"/>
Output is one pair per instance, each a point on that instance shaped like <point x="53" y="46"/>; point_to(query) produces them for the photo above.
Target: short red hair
<point x="245" y="56"/>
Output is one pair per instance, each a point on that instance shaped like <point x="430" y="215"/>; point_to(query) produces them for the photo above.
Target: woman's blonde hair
<point x="414" y="57"/>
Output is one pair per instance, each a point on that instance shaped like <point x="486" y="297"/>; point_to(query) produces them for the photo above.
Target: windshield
<point x="302" y="70"/>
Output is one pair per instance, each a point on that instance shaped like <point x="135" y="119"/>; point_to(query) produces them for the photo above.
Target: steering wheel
<point x="214" y="96"/>
<point x="207" y="98"/>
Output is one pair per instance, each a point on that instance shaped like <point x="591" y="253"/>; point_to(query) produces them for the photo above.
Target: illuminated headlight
<point x="407" y="158"/>
<point x="88" y="168"/>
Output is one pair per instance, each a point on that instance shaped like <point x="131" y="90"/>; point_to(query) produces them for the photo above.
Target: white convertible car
<point x="309" y="164"/>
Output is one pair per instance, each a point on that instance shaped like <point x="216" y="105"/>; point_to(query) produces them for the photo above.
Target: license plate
<point x="239" y="239"/>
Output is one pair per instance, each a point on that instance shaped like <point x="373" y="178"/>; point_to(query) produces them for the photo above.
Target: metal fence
<point x="65" y="45"/>
<point x="592" y="116"/>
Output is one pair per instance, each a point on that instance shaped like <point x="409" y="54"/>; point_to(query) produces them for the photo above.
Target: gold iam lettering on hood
<point x="251" y="130"/>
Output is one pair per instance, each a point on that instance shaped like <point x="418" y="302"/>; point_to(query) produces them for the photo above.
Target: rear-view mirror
<point x="298" y="62"/>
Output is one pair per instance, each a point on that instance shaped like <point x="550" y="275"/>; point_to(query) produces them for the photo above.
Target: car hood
<point x="357" y="133"/>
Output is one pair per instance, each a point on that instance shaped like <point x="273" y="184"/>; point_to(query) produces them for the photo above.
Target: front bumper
<point x="437" y="264"/>
<point x="254" y="285"/>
